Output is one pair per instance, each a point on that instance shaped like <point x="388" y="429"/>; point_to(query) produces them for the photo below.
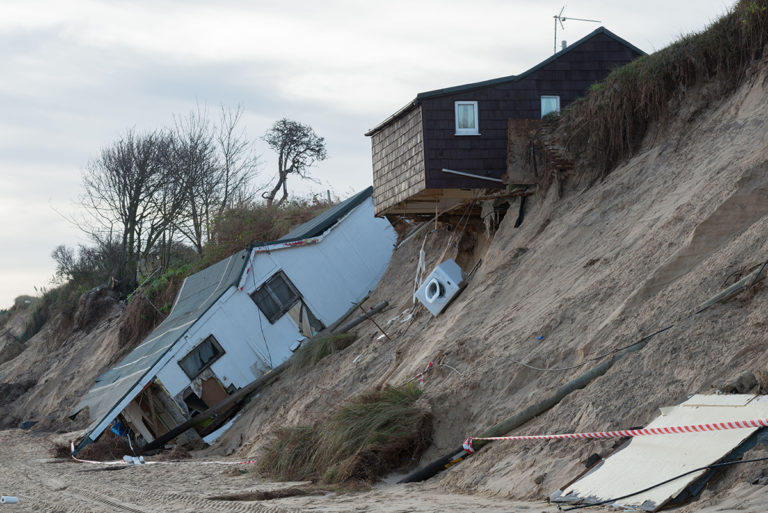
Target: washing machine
<point x="441" y="286"/>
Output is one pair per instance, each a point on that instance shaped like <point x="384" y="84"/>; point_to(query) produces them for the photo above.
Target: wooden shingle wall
<point x="398" y="161"/>
<point x="569" y="76"/>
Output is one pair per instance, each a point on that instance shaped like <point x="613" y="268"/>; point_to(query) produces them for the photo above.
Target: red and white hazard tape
<point x="671" y="430"/>
<point x="420" y="375"/>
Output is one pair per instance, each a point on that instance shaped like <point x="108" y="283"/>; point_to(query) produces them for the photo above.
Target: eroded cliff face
<point x="585" y="274"/>
<point x="593" y="271"/>
<point x="51" y="371"/>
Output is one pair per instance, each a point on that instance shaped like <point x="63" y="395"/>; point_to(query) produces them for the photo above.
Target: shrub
<point x="609" y="123"/>
<point x="251" y="222"/>
<point x="368" y="436"/>
<point x="62" y="299"/>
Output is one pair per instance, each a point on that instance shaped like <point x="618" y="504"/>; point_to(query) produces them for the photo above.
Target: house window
<point x="201" y="357"/>
<point x="466" y="118"/>
<point x="549" y="104"/>
<point x="275" y="297"/>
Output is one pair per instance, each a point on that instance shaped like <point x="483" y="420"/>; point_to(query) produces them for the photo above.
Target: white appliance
<point x="441" y="286"/>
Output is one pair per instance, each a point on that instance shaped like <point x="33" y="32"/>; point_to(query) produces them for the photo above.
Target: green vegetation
<point x="254" y="222"/>
<point x="368" y="436"/>
<point x="608" y="125"/>
<point x="62" y="299"/>
<point x="318" y="347"/>
<point x="82" y="269"/>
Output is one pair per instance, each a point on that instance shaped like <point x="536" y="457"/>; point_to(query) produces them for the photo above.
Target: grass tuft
<point x="318" y="347"/>
<point x="609" y="123"/>
<point x="370" y="435"/>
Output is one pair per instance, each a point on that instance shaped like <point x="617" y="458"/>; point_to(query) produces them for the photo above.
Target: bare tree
<point x="238" y="161"/>
<point x="298" y="147"/>
<point x="150" y="191"/>
<point x="120" y="191"/>
<point x="215" y="165"/>
<point x="193" y="158"/>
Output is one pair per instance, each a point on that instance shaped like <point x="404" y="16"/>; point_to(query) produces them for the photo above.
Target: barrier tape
<point x="134" y="462"/>
<point x="420" y="375"/>
<point x="671" y="430"/>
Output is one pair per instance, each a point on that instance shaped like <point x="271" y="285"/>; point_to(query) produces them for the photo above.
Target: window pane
<point x="266" y="304"/>
<point x="282" y="291"/>
<point x="465" y="114"/>
<point x="549" y="104"/>
<point x="200" y="357"/>
<point x="276" y="296"/>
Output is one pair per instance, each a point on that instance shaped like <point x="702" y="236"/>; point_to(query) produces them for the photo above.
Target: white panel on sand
<point x="648" y="460"/>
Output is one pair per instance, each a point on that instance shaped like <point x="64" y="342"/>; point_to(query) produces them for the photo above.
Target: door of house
<point x="213" y="392"/>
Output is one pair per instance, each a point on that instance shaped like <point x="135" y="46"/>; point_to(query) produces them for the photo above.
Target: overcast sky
<point x="75" y="74"/>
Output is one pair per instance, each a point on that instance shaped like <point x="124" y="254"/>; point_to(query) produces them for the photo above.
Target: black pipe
<point x="524" y="416"/>
<point x="435" y="467"/>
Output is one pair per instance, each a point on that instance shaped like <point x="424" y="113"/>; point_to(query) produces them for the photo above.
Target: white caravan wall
<point x="331" y="276"/>
<point x="233" y="320"/>
<point x="338" y="271"/>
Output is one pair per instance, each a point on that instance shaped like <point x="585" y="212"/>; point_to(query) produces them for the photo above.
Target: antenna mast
<point x="559" y="18"/>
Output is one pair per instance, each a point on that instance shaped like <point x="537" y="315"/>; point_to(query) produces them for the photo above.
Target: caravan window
<point x="275" y="297"/>
<point x="201" y="357"/>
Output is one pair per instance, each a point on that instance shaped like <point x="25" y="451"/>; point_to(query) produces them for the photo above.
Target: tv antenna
<point x="559" y="18"/>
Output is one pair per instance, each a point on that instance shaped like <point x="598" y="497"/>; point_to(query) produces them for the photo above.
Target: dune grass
<point x="365" y="438"/>
<point x="318" y="347"/>
<point x="609" y="123"/>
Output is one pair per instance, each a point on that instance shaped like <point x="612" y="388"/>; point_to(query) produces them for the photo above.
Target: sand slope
<point x="590" y="272"/>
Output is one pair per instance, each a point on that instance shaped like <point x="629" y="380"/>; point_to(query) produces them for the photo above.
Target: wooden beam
<point x="264" y="380"/>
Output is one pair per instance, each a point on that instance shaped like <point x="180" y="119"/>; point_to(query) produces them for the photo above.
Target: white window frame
<point x="548" y="97"/>
<point x="466" y="131"/>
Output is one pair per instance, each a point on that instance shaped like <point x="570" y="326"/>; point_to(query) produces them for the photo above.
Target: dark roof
<point x="320" y="224"/>
<point x="198" y="293"/>
<point x="510" y="78"/>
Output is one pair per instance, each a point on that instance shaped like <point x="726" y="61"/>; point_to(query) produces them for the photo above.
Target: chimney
<point x="563" y="44"/>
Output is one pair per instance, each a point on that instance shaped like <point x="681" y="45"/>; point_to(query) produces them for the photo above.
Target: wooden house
<point x="433" y="152"/>
<point x="237" y="319"/>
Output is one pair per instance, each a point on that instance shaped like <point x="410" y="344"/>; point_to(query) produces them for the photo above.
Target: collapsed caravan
<point x="239" y="318"/>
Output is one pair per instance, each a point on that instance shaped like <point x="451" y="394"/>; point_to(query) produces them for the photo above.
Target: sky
<point x="77" y="74"/>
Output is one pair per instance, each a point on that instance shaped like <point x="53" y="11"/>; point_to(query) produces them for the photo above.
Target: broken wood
<point x="337" y="323"/>
<point x="266" y="379"/>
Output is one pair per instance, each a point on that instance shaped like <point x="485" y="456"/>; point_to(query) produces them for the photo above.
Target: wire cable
<point x="762" y="267"/>
<point x="662" y="483"/>
<point x="595" y="358"/>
